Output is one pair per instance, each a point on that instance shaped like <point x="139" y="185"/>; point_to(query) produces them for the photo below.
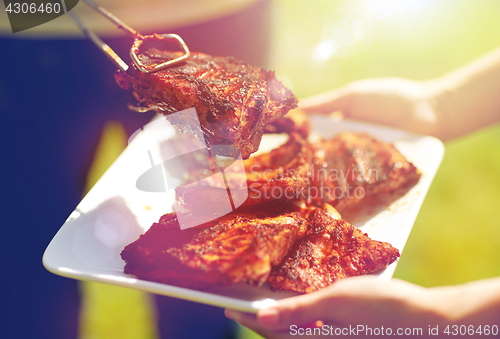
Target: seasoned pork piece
<point x="352" y="168"/>
<point x="295" y="121"/>
<point x="272" y="178"/>
<point x="345" y="171"/>
<point x="235" y="248"/>
<point x="332" y="249"/>
<point x="234" y="100"/>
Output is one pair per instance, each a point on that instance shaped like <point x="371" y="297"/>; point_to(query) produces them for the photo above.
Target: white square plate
<point x="114" y="213"/>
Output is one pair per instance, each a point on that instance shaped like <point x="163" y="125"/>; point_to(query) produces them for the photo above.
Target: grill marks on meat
<point x="271" y="178"/>
<point x="332" y="249"/>
<point x="357" y="161"/>
<point x="234" y="100"/>
<point x="297" y="249"/>
<point x="294" y="158"/>
<point x="295" y="121"/>
<point x="343" y="171"/>
<point x="232" y="249"/>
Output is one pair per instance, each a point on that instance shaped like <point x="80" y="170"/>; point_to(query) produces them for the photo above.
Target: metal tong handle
<point x="138" y="40"/>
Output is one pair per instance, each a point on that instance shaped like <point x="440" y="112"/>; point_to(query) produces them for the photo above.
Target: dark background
<point x="55" y="97"/>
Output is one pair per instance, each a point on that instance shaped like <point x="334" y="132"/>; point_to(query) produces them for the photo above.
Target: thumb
<point x="325" y="103"/>
<point x="301" y="310"/>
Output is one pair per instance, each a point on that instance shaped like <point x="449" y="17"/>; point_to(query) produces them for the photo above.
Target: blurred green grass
<point x="457" y="234"/>
<point x="456" y="237"/>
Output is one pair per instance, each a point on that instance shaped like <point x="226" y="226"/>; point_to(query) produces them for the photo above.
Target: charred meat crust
<point x="336" y="170"/>
<point x="296" y="249"/>
<point x="331" y="250"/>
<point x="234" y="100"/>
<point x="235" y="248"/>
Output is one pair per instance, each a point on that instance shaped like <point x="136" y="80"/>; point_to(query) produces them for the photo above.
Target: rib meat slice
<point x="332" y="249"/>
<point x="272" y="178"/>
<point x="354" y="167"/>
<point x="344" y="171"/>
<point x="235" y="248"/>
<point x="295" y="121"/>
<point x="234" y="100"/>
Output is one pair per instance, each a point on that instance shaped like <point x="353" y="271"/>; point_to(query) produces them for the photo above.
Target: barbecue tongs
<point x="138" y="40"/>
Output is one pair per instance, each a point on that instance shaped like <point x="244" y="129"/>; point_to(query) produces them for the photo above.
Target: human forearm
<point x="468" y="98"/>
<point x="476" y="303"/>
<point x="447" y="107"/>
<point x="394" y="304"/>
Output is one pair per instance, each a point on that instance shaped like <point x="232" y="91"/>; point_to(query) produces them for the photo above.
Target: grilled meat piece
<point x="332" y="249"/>
<point x="235" y="248"/>
<point x="234" y="100"/>
<point x="275" y="191"/>
<point x="295" y="121"/>
<point x="294" y="158"/>
<point x="272" y="178"/>
<point x="353" y="167"/>
<point x="292" y="246"/>
<point x="342" y="171"/>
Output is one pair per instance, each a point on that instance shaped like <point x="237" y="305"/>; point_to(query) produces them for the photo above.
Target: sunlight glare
<point x="323" y="51"/>
<point x="383" y="9"/>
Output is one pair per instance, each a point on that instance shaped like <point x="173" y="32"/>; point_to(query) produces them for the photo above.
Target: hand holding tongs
<point x="138" y="40"/>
